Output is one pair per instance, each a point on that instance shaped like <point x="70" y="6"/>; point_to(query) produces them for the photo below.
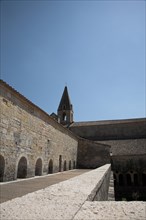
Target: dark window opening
<point x="144" y="179"/>
<point x="128" y="178"/>
<point x="64" y="117"/>
<point x="121" y="180"/>
<point x="60" y="163"/>
<point x="64" y="107"/>
<point x="50" y="166"/>
<point x="136" y="180"/>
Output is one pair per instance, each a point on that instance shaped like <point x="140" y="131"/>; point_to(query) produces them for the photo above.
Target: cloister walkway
<point x="20" y="187"/>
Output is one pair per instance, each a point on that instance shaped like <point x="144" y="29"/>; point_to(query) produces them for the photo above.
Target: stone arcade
<point x="34" y="143"/>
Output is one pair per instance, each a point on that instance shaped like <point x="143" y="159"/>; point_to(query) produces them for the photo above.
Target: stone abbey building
<point x="34" y="143"/>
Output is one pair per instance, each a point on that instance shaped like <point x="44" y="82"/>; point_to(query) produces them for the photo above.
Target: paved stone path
<point x="18" y="188"/>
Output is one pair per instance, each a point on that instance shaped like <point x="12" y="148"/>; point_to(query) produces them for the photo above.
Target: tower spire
<point x="65" y="108"/>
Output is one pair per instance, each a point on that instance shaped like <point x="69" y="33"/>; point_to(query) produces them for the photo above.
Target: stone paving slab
<point x="13" y="189"/>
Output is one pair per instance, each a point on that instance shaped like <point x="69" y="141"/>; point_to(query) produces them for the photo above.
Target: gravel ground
<point x="111" y="210"/>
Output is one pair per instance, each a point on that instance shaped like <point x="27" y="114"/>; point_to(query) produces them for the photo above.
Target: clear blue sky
<point x="96" y="47"/>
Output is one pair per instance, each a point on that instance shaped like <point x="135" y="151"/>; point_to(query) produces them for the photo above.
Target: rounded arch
<point x="70" y="165"/>
<point x="121" y="179"/>
<point x="128" y="179"/>
<point x="64" y="166"/>
<point x="38" y="167"/>
<point x="22" y="168"/>
<point x="2" y="168"/>
<point x="50" y="166"/>
<point x="136" y="179"/>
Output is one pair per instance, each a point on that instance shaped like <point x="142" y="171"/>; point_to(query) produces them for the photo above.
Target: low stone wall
<point x="60" y="201"/>
<point x="92" y="155"/>
<point x="100" y="192"/>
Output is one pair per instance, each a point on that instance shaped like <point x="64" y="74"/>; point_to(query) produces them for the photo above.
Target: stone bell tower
<point x="65" y="109"/>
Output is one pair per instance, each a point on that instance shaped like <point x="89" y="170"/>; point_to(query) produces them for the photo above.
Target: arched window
<point x="22" y="168"/>
<point x="70" y="165"/>
<point x="144" y="179"/>
<point x="50" y="166"/>
<point x="2" y="168"/>
<point x="38" y="167"/>
<point x="64" y="116"/>
<point x="136" y="183"/>
<point x="128" y="178"/>
<point x="64" y="167"/>
<point x="64" y="107"/>
<point x="121" y="180"/>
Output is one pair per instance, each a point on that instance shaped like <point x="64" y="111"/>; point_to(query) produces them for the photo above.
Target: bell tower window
<point x="64" y="117"/>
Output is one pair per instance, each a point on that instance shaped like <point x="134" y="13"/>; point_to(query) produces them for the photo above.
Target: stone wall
<point x="111" y="130"/>
<point x="92" y="155"/>
<point x="126" y="147"/>
<point x="125" y="163"/>
<point x="31" y="141"/>
<point x="126" y="137"/>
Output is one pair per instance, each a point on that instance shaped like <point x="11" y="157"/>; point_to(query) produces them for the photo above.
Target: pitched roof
<point x="65" y="101"/>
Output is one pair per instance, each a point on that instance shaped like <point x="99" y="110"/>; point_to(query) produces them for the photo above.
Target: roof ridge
<point x="103" y="122"/>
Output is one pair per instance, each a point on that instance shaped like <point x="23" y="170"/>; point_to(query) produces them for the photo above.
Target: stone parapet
<point x="60" y="201"/>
